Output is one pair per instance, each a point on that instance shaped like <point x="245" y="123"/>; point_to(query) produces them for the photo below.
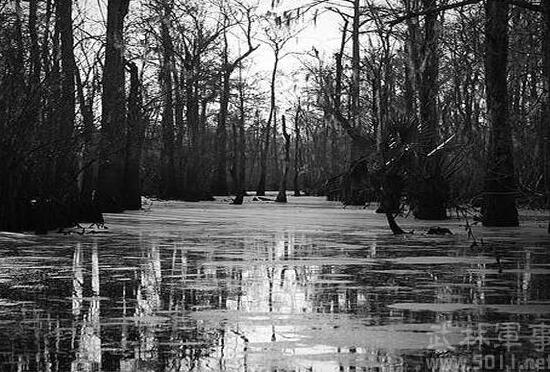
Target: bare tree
<point x="245" y="15"/>
<point x="276" y="38"/>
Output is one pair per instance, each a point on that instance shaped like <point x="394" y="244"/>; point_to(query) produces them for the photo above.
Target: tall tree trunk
<point x="275" y="150"/>
<point x="179" y="116"/>
<point x="193" y="189"/>
<point x="281" y="196"/>
<point x="241" y="152"/>
<point x="235" y="160"/>
<point x="546" y="115"/>
<point x="167" y="160"/>
<point x="499" y="205"/>
<point x="192" y="115"/>
<point x="239" y="142"/>
<point x="356" y="148"/>
<point x="260" y="190"/>
<point x="297" y="150"/>
<point x="113" y="120"/>
<point x="89" y="147"/>
<point x="430" y="203"/>
<point x="219" y="184"/>
<point x="134" y="142"/>
<point x="65" y="164"/>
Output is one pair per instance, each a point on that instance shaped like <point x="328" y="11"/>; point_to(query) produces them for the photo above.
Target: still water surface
<point x="307" y="286"/>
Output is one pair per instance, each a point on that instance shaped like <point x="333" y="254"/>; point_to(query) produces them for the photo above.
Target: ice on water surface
<point x="307" y="286"/>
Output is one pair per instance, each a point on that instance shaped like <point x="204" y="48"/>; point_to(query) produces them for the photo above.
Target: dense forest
<point x="428" y="104"/>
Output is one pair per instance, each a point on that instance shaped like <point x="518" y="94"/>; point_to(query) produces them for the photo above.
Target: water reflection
<point x="88" y="351"/>
<point x="287" y="299"/>
<point x="147" y="304"/>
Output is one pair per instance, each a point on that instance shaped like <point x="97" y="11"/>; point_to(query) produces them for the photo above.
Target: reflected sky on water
<point x="307" y="286"/>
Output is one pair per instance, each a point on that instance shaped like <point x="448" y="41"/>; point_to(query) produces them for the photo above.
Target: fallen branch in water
<point x="395" y="228"/>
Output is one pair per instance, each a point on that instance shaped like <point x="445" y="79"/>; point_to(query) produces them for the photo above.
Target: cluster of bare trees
<point x="89" y="111"/>
<point x="37" y="110"/>
<point x="478" y="96"/>
<point x="158" y="98"/>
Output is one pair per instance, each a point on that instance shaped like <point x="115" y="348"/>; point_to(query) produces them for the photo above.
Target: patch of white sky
<point x="323" y="34"/>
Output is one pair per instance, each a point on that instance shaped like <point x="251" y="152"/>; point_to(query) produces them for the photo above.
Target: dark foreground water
<point x="307" y="286"/>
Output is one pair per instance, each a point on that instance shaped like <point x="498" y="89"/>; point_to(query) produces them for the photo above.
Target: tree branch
<point x="431" y="11"/>
<point x="519" y="3"/>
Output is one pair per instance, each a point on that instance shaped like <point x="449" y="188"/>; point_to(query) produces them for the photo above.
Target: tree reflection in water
<point x="88" y="352"/>
<point x="283" y="299"/>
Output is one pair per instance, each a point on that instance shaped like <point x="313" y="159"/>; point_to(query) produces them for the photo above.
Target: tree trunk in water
<point x="260" y="190"/>
<point x="239" y="142"/>
<point x="430" y="203"/>
<point x="179" y="116"/>
<point x="235" y="167"/>
<point x="65" y="181"/>
<point x="356" y="149"/>
<point x="297" y="152"/>
<point x="134" y="144"/>
<point x="281" y="197"/>
<point x="113" y="121"/>
<point x="167" y="169"/>
<point x="546" y="117"/>
<point x="242" y="150"/>
<point x="219" y="184"/>
<point x="194" y="162"/>
<point x="275" y="149"/>
<point x="355" y="65"/>
<point x="499" y="205"/>
<point x="89" y="147"/>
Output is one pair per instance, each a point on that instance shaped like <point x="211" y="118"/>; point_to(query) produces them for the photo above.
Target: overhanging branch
<point x="519" y="3"/>
<point x="431" y="11"/>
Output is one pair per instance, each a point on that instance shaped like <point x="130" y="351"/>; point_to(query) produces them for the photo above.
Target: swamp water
<point x="307" y="286"/>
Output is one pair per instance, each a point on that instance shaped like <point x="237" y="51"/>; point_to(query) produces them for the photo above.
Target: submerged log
<point x="436" y="230"/>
